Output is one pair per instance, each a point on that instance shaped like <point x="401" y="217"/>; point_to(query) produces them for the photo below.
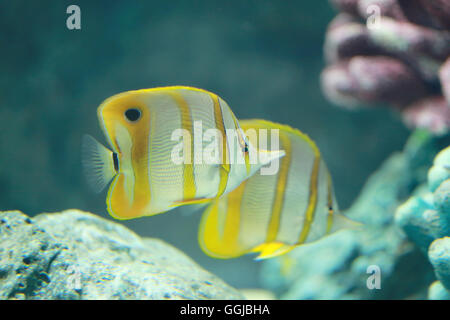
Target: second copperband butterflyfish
<point x="272" y="214"/>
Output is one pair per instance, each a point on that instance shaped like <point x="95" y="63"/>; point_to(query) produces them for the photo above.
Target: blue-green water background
<point x="263" y="57"/>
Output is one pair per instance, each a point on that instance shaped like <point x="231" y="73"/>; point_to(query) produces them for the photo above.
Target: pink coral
<point x="400" y="58"/>
<point x="432" y="113"/>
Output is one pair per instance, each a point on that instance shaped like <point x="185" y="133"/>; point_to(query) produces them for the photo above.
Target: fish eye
<point x="133" y="114"/>
<point x="245" y="149"/>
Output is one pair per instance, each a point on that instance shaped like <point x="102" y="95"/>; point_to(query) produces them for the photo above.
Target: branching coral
<point x="425" y="218"/>
<point x="391" y="52"/>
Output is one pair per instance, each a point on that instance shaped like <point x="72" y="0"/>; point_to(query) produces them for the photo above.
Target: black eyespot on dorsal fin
<point x="330" y="209"/>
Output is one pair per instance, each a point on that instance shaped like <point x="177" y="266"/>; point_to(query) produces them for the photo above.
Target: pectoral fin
<point x="98" y="163"/>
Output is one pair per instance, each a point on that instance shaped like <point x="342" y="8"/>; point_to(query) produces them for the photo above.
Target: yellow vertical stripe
<point x="233" y="217"/>
<point x="224" y="168"/>
<point x="309" y="216"/>
<point x="134" y="137"/>
<point x="189" y="188"/>
<point x="212" y="241"/>
<point x="282" y="178"/>
<point x="139" y="160"/>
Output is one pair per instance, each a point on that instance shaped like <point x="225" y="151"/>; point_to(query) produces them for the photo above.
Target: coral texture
<point x="425" y="218"/>
<point x="340" y="266"/>
<point x="77" y="255"/>
<point x="394" y="53"/>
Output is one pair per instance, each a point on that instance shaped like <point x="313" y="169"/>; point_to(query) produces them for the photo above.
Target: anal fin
<point x="270" y="250"/>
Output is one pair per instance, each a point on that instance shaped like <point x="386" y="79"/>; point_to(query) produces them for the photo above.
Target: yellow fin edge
<point x="191" y="201"/>
<point x="271" y="250"/>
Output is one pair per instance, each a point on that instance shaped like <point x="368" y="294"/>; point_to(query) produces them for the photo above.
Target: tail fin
<point x="98" y="163"/>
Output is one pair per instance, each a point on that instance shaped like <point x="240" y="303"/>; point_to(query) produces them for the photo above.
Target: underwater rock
<point x="77" y="255"/>
<point x="425" y="218"/>
<point x="438" y="292"/>
<point x="345" y="265"/>
<point x="257" y="294"/>
<point x="397" y="58"/>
